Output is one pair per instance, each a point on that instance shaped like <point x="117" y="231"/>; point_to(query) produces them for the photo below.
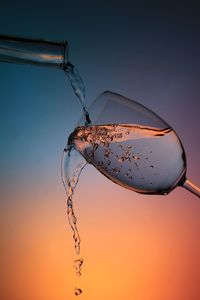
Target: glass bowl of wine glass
<point x="132" y="146"/>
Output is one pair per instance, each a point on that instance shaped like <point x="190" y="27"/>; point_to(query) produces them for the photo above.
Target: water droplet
<point x="77" y="291"/>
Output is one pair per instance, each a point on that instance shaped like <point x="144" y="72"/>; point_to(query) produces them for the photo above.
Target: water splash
<point x="72" y="165"/>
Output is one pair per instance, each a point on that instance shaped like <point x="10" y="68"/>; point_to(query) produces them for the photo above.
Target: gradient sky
<point x="135" y="247"/>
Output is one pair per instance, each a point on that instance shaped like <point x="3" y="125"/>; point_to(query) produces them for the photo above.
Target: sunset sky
<point x="134" y="247"/>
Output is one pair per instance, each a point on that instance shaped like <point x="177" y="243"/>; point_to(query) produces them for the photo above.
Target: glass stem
<point x="188" y="185"/>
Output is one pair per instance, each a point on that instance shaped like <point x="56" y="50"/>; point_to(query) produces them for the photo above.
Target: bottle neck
<point x="32" y="51"/>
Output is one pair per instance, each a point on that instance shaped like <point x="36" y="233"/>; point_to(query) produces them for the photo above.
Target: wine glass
<point x="132" y="146"/>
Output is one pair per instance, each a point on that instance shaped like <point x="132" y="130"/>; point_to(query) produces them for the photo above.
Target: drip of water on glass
<point x="144" y="159"/>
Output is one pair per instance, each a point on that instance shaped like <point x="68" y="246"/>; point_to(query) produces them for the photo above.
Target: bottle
<point x="33" y="51"/>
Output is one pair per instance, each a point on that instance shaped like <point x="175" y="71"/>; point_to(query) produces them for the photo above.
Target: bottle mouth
<point x="65" y="54"/>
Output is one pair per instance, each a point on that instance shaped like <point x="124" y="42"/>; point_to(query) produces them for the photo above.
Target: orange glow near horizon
<point x="134" y="247"/>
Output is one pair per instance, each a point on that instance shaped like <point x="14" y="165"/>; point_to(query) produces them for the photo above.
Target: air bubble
<point x="108" y="162"/>
<point x="135" y="157"/>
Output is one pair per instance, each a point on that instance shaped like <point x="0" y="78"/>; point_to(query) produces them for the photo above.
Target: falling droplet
<point x="77" y="291"/>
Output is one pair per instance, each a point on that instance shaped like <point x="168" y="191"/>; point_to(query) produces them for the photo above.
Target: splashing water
<point x="128" y="154"/>
<point x="72" y="165"/>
